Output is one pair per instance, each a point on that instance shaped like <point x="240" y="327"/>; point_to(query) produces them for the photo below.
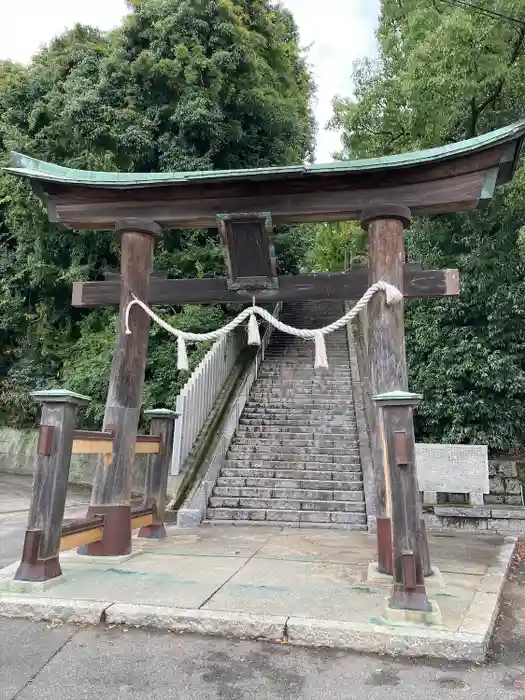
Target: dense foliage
<point x="181" y="85"/>
<point x="446" y="72"/>
<point x="334" y="246"/>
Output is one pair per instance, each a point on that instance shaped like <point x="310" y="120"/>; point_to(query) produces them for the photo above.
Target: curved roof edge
<point x="34" y="169"/>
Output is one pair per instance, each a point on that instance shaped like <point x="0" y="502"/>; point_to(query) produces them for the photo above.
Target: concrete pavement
<point x="44" y="662"/>
<point x="111" y="662"/>
<point x="311" y="587"/>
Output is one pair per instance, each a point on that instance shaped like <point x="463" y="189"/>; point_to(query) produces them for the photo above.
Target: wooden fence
<point x="200" y="393"/>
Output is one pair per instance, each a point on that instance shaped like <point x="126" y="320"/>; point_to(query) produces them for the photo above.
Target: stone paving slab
<point x="305" y="587"/>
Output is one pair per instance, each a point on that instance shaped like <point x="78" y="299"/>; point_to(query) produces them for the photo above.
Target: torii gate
<point x="383" y="193"/>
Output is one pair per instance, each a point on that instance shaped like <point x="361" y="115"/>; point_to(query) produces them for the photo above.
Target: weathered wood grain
<point x="409" y="582"/>
<point x="81" y="538"/>
<point x="417" y="284"/>
<point x="432" y="187"/>
<point x="386" y="348"/>
<point x="163" y="426"/>
<point x="112" y="484"/>
<point x="48" y="499"/>
<point x="102" y="210"/>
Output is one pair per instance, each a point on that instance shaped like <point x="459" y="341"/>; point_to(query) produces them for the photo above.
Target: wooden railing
<point x="199" y="394"/>
<point x="47" y="532"/>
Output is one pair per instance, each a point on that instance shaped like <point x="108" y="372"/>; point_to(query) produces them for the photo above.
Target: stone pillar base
<point x="152" y="532"/>
<point x="19" y="586"/>
<point x="401" y="616"/>
<point x="434" y="581"/>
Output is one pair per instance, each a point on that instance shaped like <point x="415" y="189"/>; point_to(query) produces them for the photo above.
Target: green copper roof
<point x="397" y="397"/>
<point x="40" y="170"/>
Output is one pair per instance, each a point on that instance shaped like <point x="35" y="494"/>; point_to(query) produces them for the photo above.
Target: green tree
<point x="443" y="73"/>
<point x="446" y="73"/>
<point x="181" y="85"/>
<point x="335" y="246"/>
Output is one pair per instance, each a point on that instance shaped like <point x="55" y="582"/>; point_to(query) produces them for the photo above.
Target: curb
<point x="206" y="622"/>
<point x="438" y="644"/>
<point x="53" y="609"/>
<point x="468" y="643"/>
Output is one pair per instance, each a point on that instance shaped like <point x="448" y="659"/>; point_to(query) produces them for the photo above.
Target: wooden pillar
<point x="396" y="428"/>
<point x="163" y="425"/>
<point x="55" y="442"/>
<point x="112" y="487"/>
<point x="385" y="224"/>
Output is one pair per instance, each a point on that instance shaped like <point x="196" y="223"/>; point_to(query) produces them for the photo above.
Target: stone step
<point x="272" y="524"/>
<point x="328" y="485"/>
<point x="302" y="402"/>
<point x="299" y="432"/>
<point x="294" y="459"/>
<point x="306" y="451"/>
<point x="302" y="474"/>
<point x="323" y="445"/>
<point x="303" y="353"/>
<point x="290" y="504"/>
<point x="293" y="359"/>
<point x="299" y="387"/>
<point x="278" y="461"/>
<point x="323" y="411"/>
<point x="326" y="413"/>
<point x="305" y="357"/>
<point x="336" y="426"/>
<point x="346" y="424"/>
<point x="261" y="460"/>
<point x="279" y="436"/>
<point x="283" y="516"/>
<point x="290" y="381"/>
<point x="287" y="494"/>
<point x="304" y="369"/>
<point x="300" y="398"/>
<point x="269" y="370"/>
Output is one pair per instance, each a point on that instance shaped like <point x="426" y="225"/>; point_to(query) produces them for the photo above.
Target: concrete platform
<point x="298" y="586"/>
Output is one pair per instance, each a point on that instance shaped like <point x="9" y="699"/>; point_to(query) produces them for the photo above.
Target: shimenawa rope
<point x="393" y="296"/>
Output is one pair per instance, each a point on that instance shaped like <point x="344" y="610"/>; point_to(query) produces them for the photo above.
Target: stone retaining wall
<point x="487" y="520"/>
<point x="18" y="451"/>
<point x="506" y="477"/>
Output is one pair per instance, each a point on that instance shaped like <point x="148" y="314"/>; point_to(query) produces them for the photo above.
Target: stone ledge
<point x="207" y="622"/>
<point x="379" y="639"/>
<point x="463" y="512"/>
<point x="489" y="511"/>
<point x="52" y="609"/>
<point x="492" y="520"/>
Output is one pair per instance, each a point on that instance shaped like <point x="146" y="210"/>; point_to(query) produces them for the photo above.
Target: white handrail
<point x="194" y="508"/>
<point x="198" y="395"/>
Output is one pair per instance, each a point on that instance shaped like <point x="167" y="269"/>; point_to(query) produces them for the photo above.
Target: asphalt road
<point x="15" y="495"/>
<point x="47" y="662"/>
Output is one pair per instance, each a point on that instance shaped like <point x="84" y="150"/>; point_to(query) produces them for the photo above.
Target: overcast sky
<point x="338" y="32"/>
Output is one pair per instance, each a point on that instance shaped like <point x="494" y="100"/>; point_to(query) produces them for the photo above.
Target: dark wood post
<point x="163" y="425"/>
<point x="385" y="224"/>
<point x="396" y="429"/>
<point x="112" y="486"/>
<point x="55" y="443"/>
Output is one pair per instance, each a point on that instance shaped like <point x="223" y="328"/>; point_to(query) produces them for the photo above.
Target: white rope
<point x="393" y="296"/>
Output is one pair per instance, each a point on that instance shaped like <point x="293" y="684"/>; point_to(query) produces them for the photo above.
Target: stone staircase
<point x="294" y="458"/>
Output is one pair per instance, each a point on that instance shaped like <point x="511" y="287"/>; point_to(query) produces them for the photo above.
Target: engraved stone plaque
<point x="452" y="468"/>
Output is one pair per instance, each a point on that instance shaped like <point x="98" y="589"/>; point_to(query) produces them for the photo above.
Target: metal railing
<point x="199" y="394"/>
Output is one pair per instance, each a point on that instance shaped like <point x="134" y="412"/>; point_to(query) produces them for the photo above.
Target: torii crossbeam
<point x="383" y="193"/>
